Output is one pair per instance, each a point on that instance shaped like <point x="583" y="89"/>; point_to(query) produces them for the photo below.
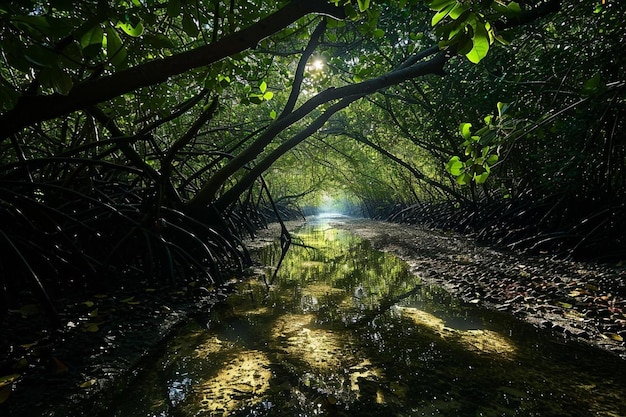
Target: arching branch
<point x="33" y="109"/>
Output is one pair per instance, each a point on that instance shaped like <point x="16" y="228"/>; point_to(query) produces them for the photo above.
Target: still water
<point x="345" y="330"/>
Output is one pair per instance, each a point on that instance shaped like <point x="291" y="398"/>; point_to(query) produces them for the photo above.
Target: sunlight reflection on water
<point x="349" y="331"/>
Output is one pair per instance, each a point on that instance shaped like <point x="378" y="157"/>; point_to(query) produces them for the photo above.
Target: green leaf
<point x="613" y="336"/>
<point x="268" y="95"/>
<point x="441" y="14"/>
<point x="480" y="42"/>
<point x="363" y="5"/>
<point x="464" y="128"/>
<point x="463" y="179"/>
<point x="514" y="8"/>
<point x="379" y="33"/>
<point x="130" y="29"/>
<point x="91" y="42"/>
<point x="32" y="24"/>
<point x="511" y="10"/>
<point x="223" y="80"/>
<point x="88" y="383"/>
<point x="273" y="115"/>
<point x="263" y="86"/>
<point x="8" y="379"/>
<point x="93" y="36"/>
<point x="492" y="159"/>
<point x="6" y="386"/>
<point x="502" y="107"/>
<point x="458" y="10"/>
<point x="455" y="166"/>
<point x="482" y="178"/>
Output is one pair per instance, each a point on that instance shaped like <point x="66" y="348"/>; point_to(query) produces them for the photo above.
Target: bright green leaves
<point x="132" y="26"/>
<point x="502" y="107"/>
<point x="482" y="147"/>
<point x="258" y="98"/>
<point x="455" y="166"/>
<point x="363" y="5"/>
<point x="465" y="130"/>
<point x="266" y="95"/>
<point x="477" y="166"/>
<point x="444" y="9"/>
<point x="480" y="42"/>
<point x="467" y="25"/>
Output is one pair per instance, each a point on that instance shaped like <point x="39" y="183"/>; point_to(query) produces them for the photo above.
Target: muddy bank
<point x="577" y="301"/>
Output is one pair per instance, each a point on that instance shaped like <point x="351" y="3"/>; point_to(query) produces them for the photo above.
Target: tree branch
<point x="33" y="109"/>
<point x="208" y="192"/>
<point x="299" y="76"/>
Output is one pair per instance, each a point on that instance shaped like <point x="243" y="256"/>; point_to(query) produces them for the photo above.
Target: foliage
<point x="468" y="26"/>
<point x="482" y="148"/>
<point x="161" y="118"/>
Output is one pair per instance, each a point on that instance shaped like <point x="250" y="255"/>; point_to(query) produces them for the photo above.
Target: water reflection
<point x="348" y="331"/>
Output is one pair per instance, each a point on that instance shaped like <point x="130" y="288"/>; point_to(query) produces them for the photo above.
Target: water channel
<point x="345" y="330"/>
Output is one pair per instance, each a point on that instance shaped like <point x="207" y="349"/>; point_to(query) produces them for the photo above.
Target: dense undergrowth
<point x="558" y="226"/>
<point x="72" y="228"/>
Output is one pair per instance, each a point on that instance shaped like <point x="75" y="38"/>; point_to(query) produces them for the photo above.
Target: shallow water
<point x="348" y="331"/>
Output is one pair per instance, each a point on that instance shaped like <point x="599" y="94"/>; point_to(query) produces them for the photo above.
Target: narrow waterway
<point x="345" y="330"/>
